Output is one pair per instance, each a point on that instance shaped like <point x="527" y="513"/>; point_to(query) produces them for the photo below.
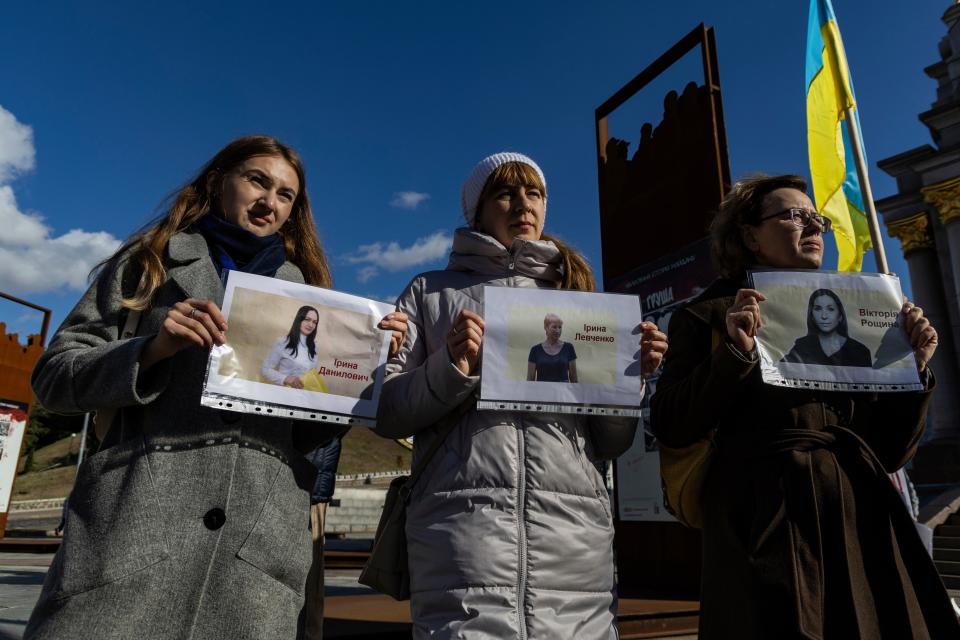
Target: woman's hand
<point x="293" y="381"/>
<point x="191" y="322"/>
<point x="922" y="335"/>
<point x="463" y="341"/>
<point x="653" y="346"/>
<point x="743" y="319"/>
<point x="395" y="321"/>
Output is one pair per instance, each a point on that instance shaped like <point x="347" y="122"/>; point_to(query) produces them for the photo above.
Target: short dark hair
<point x="743" y="205"/>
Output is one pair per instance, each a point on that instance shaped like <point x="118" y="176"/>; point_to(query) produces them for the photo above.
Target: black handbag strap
<point x="444" y="427"/>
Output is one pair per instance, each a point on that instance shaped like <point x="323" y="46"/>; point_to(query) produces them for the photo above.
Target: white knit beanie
<point x="473" y="186"/>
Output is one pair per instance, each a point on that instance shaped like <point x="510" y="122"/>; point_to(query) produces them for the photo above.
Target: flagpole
<point x="865" y="191"/>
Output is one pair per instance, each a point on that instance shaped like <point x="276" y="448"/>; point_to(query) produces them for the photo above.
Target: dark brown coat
<point x="804" y="535"/>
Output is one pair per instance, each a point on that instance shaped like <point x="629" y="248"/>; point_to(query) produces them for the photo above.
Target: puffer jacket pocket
<point x="113" y="524"/>
<point x="280" y="544"/>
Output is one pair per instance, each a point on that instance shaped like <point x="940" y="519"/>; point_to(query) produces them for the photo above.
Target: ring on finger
<point x="193" y="312"/>
<point x="456" y="330"/>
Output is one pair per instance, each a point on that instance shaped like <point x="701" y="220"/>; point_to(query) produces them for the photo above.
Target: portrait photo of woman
<point x="294" y="354"/>
<point x="828" y="341"/>
<point x="552" y="360"/>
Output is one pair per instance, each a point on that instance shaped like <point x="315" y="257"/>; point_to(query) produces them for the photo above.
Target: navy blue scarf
<point x="235" y="248"/>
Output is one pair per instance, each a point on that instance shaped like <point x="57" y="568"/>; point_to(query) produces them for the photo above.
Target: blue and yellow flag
<point x="836" y="187"/>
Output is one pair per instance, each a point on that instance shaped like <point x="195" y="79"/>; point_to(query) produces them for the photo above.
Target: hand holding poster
<point x="834" y="331"/>
<point x="560" y="351"/>
<point x="298" y="351"/>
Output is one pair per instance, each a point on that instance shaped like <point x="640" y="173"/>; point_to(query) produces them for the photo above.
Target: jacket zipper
<point x="521" y="532"/>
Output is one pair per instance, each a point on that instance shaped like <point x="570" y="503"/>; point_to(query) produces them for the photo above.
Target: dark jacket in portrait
<point x="552" y="368"/>
<point x="804" y="535"/>
<point x="807" y="350"/>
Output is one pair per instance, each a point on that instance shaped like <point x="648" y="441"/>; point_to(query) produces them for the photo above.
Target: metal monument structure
<point x="655" y="210"/>
<point x="16" y="397"/>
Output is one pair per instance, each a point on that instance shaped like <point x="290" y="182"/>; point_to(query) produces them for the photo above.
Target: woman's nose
<point x="522" y="202"/>
<point x="813" y="227"/>
<point x="269" y="200"/>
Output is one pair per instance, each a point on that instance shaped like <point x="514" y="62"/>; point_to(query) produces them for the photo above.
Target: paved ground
<point x="21" y="576"/>
<point x="43" y="520"/>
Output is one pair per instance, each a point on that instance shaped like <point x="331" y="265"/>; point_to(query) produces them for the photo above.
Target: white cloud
<point x="32" y="258"/>
<point x="366" y="273"/>
<point x="16" y="146"/>
<point x="408" y="199"/>
<point x="393" y="257"/>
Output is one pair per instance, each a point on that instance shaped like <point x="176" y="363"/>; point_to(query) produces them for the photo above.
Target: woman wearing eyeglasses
<point x="803" y="533"/>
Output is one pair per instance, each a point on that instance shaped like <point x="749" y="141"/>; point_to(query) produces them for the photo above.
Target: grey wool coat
<point x="188" y="522"/>
<point x="509" y="529"/>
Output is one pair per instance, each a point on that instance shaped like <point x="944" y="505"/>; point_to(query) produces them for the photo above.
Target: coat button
<point x="214" y="518"/>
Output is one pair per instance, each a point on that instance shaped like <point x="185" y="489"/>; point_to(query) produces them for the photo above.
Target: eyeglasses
<point x="802" y="218"/>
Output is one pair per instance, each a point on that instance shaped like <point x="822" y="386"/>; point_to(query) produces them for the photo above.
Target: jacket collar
<point x="193" y="270"/>
<point x="711" y="305"/>
<point x="482" y="253"/>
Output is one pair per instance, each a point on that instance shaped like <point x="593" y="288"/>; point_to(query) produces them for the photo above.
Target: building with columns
<point x="924" y="215"/>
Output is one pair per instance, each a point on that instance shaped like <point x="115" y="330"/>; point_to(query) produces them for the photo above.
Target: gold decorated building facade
<point x="924" y="215"/>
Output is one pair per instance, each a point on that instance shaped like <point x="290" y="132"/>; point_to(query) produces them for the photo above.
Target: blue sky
<point x="107" y="107"/>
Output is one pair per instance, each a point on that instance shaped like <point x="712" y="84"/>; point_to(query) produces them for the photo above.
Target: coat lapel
<point x="711" y="306"/>
<point x="192" y="269"/>
<point x="290" y="272"/>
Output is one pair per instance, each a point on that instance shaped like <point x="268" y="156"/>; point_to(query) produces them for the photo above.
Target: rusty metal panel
<point x="656" y="205"/>
<point x="662" y="196"/>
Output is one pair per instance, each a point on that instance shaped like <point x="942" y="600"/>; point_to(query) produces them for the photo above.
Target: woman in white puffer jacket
<point x="509" y="529"/>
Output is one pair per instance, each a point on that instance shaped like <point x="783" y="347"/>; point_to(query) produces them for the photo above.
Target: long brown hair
<point x="577" y="274"/>
<point x="743" y="205"/>
<point x="147" y="248"/>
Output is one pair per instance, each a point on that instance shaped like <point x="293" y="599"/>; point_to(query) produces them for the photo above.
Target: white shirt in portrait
<point x="280" y="363"/>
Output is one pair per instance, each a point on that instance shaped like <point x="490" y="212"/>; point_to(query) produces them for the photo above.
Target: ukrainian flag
<point x="836" y="187"/>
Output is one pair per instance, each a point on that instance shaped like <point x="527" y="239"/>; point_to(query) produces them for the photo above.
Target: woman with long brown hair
<point x="509" y="530"/>
<point x="189" y="522"/>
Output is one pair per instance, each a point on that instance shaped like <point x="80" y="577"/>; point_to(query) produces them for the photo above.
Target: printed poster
<point x="835" y="331"/>
<point x="295" y="350"/>
<point x="567" y="349"/>
<point x="13" y="425"/>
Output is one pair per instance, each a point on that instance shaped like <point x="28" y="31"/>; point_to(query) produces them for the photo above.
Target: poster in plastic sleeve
<point x="13" y="425"/>
<point x="663" y="287"/>
<point x="560" y="351"/>
<point x="834" y="331"/>
<point x="298" y="351"/>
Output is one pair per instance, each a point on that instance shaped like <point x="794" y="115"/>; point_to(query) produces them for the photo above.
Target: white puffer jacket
<point x="509" y="529"/>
